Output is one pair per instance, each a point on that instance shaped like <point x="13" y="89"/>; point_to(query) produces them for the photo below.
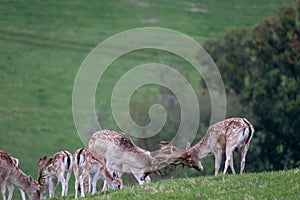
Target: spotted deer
<point x="10" y="173"/>
<point x="85" y="165"/>
<point x="10" y="186"/>
<point x="53" y="170"/>
<point x="228" y="135"/>
<point x="122" y="155"/>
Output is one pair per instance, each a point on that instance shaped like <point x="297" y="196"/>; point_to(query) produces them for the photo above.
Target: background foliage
<point x="263" y="69"/>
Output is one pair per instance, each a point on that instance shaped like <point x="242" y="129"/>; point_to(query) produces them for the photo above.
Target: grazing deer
<point x="55" y="169"/>
<point x="86" y="165"/>
<point x="228" y="135"/>
<point x="10" y="173"/>
<point x="10" y="186"/>
<point x="138" y="175"/>
<point x="121" y="154"/>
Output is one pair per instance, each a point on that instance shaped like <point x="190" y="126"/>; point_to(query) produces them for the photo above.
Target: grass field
<point x="267" y="185"/>
<point x="43" y="43"/>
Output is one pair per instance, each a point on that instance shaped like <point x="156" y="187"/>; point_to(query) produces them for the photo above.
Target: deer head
<point x="192" y="160"/>
<point x="43" y="162"/>
<point x="166" y="157"/>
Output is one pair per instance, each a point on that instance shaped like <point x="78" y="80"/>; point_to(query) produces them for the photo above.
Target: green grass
<point x="43" y="43"/>
<point x="283" y="185"/>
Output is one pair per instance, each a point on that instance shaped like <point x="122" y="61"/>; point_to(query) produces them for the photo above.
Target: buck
<point x="53" y="170"/>
<point x="122" y="155"/>
<point x="11" y="174"/>
<point x="10" y="186"/>
<point x="87" y="166"/>
<point x="228" y="135"/>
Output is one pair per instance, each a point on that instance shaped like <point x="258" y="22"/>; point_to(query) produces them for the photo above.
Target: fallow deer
<point x="53" y="170"/>
<point x="10" y="186"/>
<point x="86" y="165"/>
<point x="9" y="172"/>
<point x="121" y="154"/>
<point x="227" y="135"/>
<point x="138" y="175"/>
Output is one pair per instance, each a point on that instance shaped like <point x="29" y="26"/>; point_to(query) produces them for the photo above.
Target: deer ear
<point x="43" y="158"/>
<point x="188" y="146"/>
<point x="31" y="179"/>
<point x="114" y="174"/>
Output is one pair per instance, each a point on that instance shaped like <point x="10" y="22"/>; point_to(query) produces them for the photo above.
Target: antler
<point x="166" y="157"/>
<point x="168" y="152"/>
<point x="183" y="163"/>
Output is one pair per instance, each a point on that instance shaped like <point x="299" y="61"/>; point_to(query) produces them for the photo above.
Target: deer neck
<point x="138" y="159"/>
<point x="107" y="175"/>
<point x="19" y="179"/>
<point x="204" y="147"/>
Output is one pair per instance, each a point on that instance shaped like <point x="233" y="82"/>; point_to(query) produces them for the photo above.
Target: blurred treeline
<point x="262" y="69"/>
<point x="261" y="72"/>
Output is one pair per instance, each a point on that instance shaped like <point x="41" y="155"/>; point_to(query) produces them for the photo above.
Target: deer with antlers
<point x="55" y="169"/>
<point x="228" y="135"/>
<point x="10" y="173"/>
<point x="121" y="154"/>
<point x="87" y="166"/>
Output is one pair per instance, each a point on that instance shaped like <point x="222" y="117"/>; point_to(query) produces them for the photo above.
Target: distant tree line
<point x="262" y="68"/>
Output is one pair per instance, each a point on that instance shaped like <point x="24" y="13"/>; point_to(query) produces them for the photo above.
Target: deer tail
<point x="250" y="129"/>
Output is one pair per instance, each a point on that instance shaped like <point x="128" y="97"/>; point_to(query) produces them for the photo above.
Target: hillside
<point x="266" y="185"/>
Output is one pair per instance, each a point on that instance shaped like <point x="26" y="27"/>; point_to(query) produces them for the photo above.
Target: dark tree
<point x="263" y="69"/>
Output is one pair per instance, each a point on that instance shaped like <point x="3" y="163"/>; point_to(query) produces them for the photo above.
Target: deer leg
<point x="94" y="182"/>
<point x="218" y="159"/>
<point x="22" y="194"/>
<point x="81" y="187"/>
<point x="81" y="180"/>
<point x="76" y="189"/>
<point x="229" y="161"/>
<point x="63" y="184"/>
<point x="105" y="186"/>
<point x="2" y="188"/>
<point x="94" y="185"/>
<point x="10" y="188"/>
<point x="51" y="187"/>
<point x="89" y="179"/>
<point x="243" y="157"/>
<point x="44" y="189"/>
<point x="68" y="175"/>
<point x="76" y="174"/>
<point x="231" y="164"/>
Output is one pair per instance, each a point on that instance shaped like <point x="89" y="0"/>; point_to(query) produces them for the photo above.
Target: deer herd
<point x="109" y="154"/>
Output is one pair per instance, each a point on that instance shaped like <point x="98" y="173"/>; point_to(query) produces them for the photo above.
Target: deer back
<point x="221" y="134"/>
<point x="118" y="148"/>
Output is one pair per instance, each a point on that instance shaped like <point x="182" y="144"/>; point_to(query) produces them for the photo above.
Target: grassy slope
<point x="267" y="185"/>
<point x="42" y="44"/>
